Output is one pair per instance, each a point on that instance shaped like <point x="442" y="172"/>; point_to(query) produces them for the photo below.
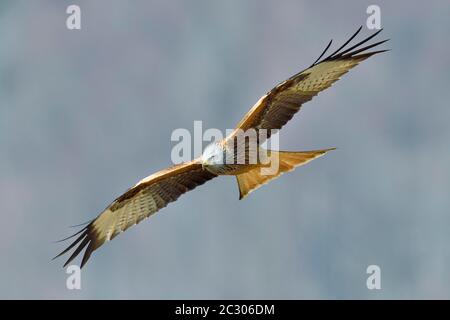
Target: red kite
<point x="272" y="111"/>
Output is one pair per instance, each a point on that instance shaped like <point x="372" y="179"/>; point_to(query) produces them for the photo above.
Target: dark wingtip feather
<point x="81" y="242"/>
<point x="87" y="253"/>
<point x="73" y="244"/>
<point x="69" y="237"/>
<point x="358" y="44"/>
<point x="355" y="52"/>
<point x="323" y="52"/>
<point x="80" y="247"/>
<point x="82" y="224"/>
<point x="345" y="43"/>
<point x="355" y="49"/>
<point x="369" y="54"/>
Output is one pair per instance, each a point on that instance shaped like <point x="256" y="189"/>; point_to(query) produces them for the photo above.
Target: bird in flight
<point x="271" y="112"/>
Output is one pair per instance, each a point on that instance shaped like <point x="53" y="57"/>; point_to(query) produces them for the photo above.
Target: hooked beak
<point x="205" y="164"/>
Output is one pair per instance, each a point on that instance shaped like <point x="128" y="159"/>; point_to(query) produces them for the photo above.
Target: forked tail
<point x="287" y="161"/>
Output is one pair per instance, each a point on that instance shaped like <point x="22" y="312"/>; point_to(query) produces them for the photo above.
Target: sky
<point x="85" y="114"/>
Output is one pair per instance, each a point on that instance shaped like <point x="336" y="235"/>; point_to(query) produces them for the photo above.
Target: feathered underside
<point x="144" y="199"/>
<point x="279" y="105"/>
<point x="272" y="111"/>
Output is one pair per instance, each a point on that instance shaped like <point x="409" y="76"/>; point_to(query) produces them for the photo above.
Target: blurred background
<point x="86" y="114"/>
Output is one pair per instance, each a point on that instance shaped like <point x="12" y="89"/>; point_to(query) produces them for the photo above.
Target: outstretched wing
<point x="139" y="202"/>
<point x="280" y="104"/>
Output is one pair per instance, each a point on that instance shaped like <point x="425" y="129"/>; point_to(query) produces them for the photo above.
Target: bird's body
<point x="245" y="159"/>
<point x="222" y="157"/>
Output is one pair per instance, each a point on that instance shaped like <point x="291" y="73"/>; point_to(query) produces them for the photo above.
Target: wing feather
<point x="139" y="202"/>
<point x="279" y="105"/>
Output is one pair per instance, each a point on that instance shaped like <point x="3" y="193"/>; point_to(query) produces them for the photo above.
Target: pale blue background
<point x="85" y="114"/>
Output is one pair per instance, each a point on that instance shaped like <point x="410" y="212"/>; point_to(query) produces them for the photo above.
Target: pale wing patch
<point x="139" y="202"/>
<point x="278" y="106"/>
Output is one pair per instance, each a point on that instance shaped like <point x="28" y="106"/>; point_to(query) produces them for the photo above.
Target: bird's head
<point x="213" y="155"/>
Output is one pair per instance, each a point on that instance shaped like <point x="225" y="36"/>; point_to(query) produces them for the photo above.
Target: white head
<point x="213" y="155"/>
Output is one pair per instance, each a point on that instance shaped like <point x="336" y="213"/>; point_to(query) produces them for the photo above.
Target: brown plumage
<point x="272" y="111"/>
